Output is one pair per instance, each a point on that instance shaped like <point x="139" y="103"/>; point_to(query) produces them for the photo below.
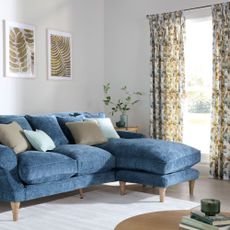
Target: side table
<point x="166" y="220"/>
<point x="133" y="129"/>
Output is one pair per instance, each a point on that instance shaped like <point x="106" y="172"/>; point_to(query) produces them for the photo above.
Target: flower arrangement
<point x="123" y="104"/>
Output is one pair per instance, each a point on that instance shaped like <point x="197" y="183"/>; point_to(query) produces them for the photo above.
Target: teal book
<point x="187" y="220"/>
<point x="217" y="220"/>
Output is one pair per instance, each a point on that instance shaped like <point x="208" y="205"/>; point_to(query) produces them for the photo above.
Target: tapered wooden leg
<point x="81" y="193"/>
<point x="162" y="192"/>
<point x="191" y="187"/>
<point x="15" y="210"/>
<point x="122" y="187"/>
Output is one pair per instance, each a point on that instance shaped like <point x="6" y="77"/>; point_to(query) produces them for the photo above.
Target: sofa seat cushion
<point x="36" y="167"/>
<point x="89" y="159"/>
<point x="150" y="155"/>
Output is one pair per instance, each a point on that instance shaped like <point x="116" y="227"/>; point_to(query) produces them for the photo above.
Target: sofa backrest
<point x="55" y="131"/>
<point x="21" y="120"/>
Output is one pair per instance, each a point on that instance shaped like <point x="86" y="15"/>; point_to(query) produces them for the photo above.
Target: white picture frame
<point x="19" y="50"/>
<point x="59" y="55"/>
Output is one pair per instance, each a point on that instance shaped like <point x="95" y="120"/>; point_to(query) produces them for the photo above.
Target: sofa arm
<point x="12" y="188"/>
<point x="8" y="159"/>
<point x="130" y="135"/>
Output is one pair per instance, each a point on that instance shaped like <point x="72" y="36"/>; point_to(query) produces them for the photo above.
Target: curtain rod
<point x="193" y="8"/>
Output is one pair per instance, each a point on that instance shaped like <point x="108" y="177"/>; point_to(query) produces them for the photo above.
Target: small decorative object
<point x="122" y="105"/>
<point x="59" y="55"/>
<point x="19" y="50"/>
<point x="123" y="121"/>
<point x="210" y="207"/>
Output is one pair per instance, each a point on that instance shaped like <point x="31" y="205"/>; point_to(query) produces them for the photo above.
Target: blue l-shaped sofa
<point x="131" y="158"/>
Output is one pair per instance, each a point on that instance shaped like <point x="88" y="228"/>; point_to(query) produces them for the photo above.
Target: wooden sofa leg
<point x="162" y="192"/>
<point x="15" y="210"/>
<point x="191" y="187"/>
<point x="81" y="193"/>
<point x="122" y="188"/>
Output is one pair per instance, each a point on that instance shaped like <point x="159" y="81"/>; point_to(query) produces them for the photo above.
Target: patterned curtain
<point x="167" y="78"/>
<point x="220" y="132"/>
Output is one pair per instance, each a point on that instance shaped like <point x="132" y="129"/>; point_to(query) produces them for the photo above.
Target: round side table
<point x="167" y="220"/>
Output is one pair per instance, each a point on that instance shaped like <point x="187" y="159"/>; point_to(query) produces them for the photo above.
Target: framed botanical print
<point x="19" y="50"/>
<point x="59" y="55"/>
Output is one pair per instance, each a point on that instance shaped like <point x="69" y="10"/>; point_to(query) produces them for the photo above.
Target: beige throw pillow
<point x="87" y="132"/>
<point x="12" y="136"/>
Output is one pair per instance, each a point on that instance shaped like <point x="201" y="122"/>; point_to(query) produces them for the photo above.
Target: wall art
<point x="59" y="55"/>
<point x="19" y="50"/>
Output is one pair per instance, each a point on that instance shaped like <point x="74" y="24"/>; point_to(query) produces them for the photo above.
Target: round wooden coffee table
<point x="167" y="220"/>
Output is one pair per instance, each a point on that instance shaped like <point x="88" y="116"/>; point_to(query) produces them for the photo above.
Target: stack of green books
<point x="198" y="220"/>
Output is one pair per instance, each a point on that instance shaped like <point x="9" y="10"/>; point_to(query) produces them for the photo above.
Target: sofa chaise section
<point x="153" y="162"/>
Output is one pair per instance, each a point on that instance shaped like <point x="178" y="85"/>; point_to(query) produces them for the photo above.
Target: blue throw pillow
<point x="21" y="120"/>
<point x="49" y="125"/>
<point x="39" y="140"/>
<point x="90" y="115"/>
<point x="106" y="126"/>
<point x="62" y="122"/>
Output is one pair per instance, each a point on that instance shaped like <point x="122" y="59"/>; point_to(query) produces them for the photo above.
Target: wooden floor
<point x="204" y="188"/>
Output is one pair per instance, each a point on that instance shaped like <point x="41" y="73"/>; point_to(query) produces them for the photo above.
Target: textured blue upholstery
<point x="89" y="159"/>
<point x="155" y="156"/>
<point x="8" y="159"/>
<point x="48" y="124"/>
<point x="73" y="183"/>
<point x="157" y="180"/>
<point x="34" y="174"/>
<point x="21" y="120"/>
<point x="130" y="135"/>
<point x="90" y="115"/>
<point x="65" y="129"/>
<point x="62" y="114"/>
<point x="38" y="167"/>
<point x="11" y="187"/>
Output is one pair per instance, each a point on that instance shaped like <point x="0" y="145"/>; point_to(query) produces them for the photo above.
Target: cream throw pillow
<point x="87" y="132"/>
<point x="12" y="136"/>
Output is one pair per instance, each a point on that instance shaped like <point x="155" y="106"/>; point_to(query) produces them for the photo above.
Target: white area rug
<point x="99" y="210"/>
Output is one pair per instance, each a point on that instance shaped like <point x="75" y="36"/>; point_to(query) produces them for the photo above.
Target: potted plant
<point x="123" y="104"/>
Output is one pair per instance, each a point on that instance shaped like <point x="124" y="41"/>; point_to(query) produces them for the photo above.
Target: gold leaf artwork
<point x="21" y="50"/>
<point x="60" y="56"/>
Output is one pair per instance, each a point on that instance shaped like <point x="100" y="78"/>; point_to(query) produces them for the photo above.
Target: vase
<point x="210" y="207"/>
<point x="123" y="120"/>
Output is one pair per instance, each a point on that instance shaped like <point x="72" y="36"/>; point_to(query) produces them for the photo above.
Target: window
<point x="198" y="75"/>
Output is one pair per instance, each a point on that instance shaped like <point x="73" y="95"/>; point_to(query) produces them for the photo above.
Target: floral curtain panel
<point x="220" y="132"/>
<point x="167" y="78"/>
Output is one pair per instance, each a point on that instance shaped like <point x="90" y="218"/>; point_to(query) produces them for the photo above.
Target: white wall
<point x="85" y="20"/>
<point x="127" y="49"/>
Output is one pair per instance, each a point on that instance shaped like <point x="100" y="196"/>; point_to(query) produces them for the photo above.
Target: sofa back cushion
<point x="62" y="122"/>
<point x="87" y="132"/>
<point x="12" y="136"/>
<point x="49" y="125"/>
<point x="21" y="120"/>
<point x="90" y="115"/>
